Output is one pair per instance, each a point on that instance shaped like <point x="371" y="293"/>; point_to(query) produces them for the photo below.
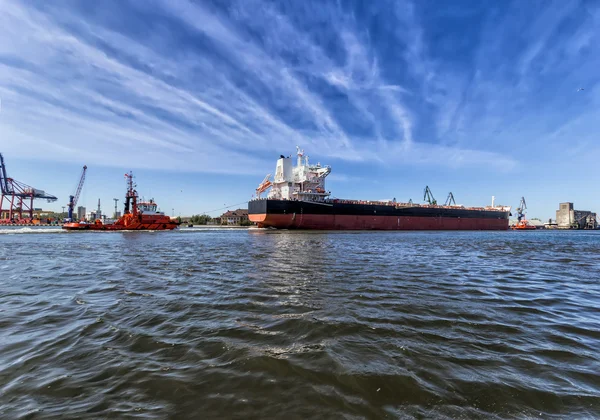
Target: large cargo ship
<point x="142" y="215"/>
<point x="297" y="199"/>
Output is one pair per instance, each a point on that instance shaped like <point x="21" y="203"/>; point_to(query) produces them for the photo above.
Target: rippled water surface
<point x="273" y="324"/>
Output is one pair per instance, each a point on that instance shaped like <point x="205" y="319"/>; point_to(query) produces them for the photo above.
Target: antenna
<point x="300" y="154"/>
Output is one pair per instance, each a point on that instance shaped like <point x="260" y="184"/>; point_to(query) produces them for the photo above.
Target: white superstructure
<point x="149" y="208"/>
<point x="305" y="182"/>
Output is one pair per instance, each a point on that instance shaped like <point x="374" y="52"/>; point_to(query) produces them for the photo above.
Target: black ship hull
<point x="346" y="215"/>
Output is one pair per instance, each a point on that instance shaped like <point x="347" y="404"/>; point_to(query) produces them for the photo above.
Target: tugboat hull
<point x="154" y="225"/>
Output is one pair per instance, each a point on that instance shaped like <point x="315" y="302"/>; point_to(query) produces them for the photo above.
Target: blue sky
<point x="199" y="98"/>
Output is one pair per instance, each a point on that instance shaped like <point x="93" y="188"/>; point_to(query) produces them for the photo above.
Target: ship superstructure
<point x="305" y="182"/>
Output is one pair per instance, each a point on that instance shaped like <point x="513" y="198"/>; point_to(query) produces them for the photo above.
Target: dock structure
<point x="569" y="218"/>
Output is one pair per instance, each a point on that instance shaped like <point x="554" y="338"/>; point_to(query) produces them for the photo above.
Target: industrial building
<point x="569" y="218"/>
<point x="81" y="213"/>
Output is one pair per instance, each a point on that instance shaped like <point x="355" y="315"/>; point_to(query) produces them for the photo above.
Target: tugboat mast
<point x="131" y="195"/>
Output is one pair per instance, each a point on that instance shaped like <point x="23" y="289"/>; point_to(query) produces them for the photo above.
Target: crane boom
<point x="73" y="199"/>
<point x="428" y="196"/>
<point x="450" y="200"/>
<point x="4" y="187"/>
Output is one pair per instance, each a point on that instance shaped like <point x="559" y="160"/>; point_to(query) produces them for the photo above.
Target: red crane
<point x="17" y="198"/>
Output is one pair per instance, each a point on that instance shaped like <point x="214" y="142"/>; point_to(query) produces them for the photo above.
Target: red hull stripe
<point x="343" y="222"/>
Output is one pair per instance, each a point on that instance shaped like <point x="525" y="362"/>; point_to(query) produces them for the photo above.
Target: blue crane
<point x="74" y="198"/>
<point x="521" y="209"/>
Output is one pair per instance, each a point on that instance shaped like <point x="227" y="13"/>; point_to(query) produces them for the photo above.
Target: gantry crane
<point x="18" y="197"/>
<point x="428" y="196"/>
<point x="74" y="198"/>
<point x="450" y="200"/>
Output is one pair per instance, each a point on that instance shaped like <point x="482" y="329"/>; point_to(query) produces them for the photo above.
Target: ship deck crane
<point x="74" y="198"/>
<point x="265" y="185"/>
<point x="428" y="196"/>
<point x="16" y="197"/>
<point x="450" y="200"/>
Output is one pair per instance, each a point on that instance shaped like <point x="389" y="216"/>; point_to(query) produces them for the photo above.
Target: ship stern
<point x="257" y="211"/>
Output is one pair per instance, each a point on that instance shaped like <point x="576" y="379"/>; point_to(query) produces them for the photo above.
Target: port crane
<point x="585" y="222"/>
<point x="450" y="200"/>
<point x="521" y="209"/>
<point x="428" y="196"/>
<point x="74" y="198"/>
<point x="522" y="223"/>
<point x="17" y="197"/>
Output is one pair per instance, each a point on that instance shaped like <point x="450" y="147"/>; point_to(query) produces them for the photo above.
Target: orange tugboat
<point x="137" y="216"/>
<point x="523" y="225"/>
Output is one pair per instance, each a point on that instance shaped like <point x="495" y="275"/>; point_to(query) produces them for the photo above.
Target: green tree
<point x="200" y="219"/>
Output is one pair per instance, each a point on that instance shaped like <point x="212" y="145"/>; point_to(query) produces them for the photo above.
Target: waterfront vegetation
<point x="200" y="219"/>
<point x="204" y="219"/>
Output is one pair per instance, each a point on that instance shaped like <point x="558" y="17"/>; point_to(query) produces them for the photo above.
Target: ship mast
<point x="131" y="195"/>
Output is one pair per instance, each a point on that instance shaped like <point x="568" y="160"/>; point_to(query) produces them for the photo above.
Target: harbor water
<point x="229" y="323"/>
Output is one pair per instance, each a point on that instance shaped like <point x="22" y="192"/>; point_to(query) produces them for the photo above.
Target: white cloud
<point x="66" y="98"/>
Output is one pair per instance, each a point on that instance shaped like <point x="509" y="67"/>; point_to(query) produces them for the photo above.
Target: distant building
<point x="81" y="213"/>
<point x="40" y="214"/>
<point x="537" y="223"/>
<point x="569" y="218"/>
<point x="234" y="217"/>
